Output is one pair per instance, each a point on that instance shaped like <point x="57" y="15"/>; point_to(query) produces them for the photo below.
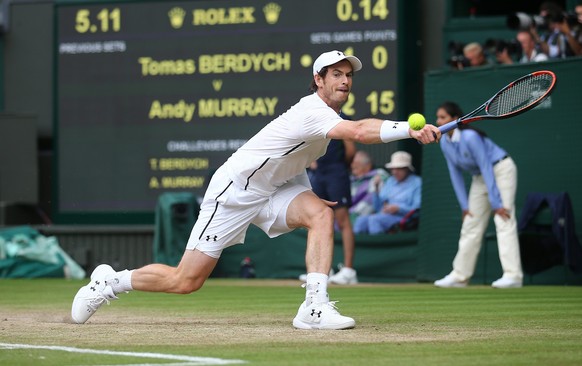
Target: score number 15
<point x="379" y="101"/>
<point x="106" y="20"/>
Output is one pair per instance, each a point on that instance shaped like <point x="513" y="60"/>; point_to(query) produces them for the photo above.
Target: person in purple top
<point x="361" y="179"/>
<point x="493" y="187"/>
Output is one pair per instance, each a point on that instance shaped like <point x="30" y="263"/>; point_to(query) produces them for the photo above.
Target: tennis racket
<point x="519" y="96"/>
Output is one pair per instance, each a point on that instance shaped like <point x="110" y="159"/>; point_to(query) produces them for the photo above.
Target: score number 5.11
<point x="103" y="21"/>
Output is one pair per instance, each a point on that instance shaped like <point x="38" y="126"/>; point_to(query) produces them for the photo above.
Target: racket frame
<point x="468" y="118"/>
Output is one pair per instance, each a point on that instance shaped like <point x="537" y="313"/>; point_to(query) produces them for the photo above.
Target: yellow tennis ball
<point x="416" y="121"/>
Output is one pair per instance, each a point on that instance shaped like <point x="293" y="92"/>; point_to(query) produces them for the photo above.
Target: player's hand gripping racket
<point x="519" y="96"/>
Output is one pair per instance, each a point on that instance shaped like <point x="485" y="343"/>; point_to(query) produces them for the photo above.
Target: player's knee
<point x="323" y="218"/>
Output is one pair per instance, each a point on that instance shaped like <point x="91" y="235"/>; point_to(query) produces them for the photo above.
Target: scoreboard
<point x="153" y="96"/>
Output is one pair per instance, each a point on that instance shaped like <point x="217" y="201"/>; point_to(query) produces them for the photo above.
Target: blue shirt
<point x="476" y="155"/>
<point x="405" y="194"/>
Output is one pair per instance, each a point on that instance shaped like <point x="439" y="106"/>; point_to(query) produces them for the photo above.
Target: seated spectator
<point x="528" y="48"/>
<point x="400" y="194"/>
<point x="363" y="173"/>
<point x="474" y="53"/>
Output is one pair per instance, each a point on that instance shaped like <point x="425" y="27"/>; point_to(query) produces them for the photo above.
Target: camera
<point x="457" y="59"/>
<point x="569" y="17"/>
<point x="523" y="21"/>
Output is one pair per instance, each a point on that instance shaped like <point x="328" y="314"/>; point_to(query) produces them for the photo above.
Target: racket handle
<point x="450" y="126"/>
<point x="447" y="127"/>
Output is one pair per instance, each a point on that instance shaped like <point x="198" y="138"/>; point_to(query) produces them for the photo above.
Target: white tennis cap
<point x="331" y="57"/>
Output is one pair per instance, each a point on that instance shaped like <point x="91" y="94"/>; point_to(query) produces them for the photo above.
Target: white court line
<point x="189" y="359"/>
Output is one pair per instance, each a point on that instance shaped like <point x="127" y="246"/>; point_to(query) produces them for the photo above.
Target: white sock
<point x="316" y="288"/>
<point x="120" y="281"/>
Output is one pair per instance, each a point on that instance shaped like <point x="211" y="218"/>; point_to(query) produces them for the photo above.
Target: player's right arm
<point x="375" y="131"/>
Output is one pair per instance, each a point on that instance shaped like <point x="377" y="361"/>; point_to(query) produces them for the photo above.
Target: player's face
<point x="335" y="87"/>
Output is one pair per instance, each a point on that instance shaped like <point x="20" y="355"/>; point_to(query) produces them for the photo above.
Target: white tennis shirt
<point x="284" y="148"/>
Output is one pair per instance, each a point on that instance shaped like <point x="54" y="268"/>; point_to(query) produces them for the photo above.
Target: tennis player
<point x="265" y="183"/>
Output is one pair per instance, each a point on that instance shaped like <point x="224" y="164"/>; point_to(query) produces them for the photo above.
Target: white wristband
<point x="394" y="130"/>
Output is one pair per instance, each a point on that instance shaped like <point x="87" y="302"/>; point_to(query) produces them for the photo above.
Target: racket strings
<point x="521" y="94"/>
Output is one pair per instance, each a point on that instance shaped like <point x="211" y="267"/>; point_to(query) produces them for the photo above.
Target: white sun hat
<point x="400" y="159"/>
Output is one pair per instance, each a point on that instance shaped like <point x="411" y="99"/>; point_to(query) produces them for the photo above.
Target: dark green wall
<point x="543" y="142"/>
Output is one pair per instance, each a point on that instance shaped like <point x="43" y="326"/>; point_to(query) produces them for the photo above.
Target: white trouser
<point x="474" y="225"/>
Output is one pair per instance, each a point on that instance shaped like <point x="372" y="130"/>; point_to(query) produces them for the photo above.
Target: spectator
<point x="577" y="29"/>
<point x="562" y="40"/>
<point x="560" y="43"/>
<point x="399" y="195"/>
<point x="578" y="12"/>
<point x="493" y="187"/>
<point x="528" y="48"/>
<point x="363" y="173"/>
<point x="572" y="32"/>
<point x="474" y="53"/>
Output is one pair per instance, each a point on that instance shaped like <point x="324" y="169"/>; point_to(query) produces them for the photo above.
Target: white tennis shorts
<point x="227" y="211"/>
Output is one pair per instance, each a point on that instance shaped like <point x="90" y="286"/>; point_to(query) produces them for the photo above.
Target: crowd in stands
<point x="550" y="35"/>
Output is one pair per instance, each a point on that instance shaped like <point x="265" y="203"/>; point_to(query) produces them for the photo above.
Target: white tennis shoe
<point x="91" y="296"/>
<point x="450" y="282"/>
<point x="321" y="316"/>
<point x="345" y="276"/>
<point x="505" y="282"/>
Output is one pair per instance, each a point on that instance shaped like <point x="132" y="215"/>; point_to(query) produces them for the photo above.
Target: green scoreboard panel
<point x="153" y="96"/>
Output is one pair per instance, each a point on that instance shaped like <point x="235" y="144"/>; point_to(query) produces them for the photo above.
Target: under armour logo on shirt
<point x="208" y="237"/>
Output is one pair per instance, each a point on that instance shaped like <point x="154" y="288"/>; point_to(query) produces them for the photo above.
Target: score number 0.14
<point x="370" y="9"/>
